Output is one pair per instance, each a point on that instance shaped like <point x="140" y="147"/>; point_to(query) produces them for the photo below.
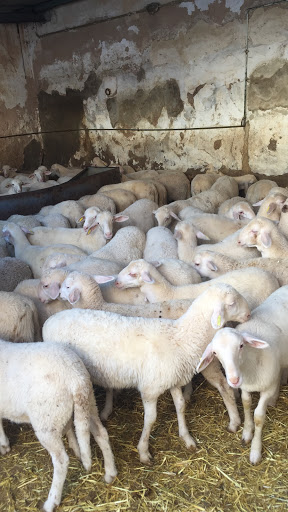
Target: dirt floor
<point x="217" y="477"/>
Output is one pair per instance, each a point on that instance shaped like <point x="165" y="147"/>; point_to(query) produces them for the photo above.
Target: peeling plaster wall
<point x="164" y="90"/>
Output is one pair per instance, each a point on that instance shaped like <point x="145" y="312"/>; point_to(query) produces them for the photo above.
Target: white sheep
<point x="39" y="175"/>
<point x="8" y="172"/>
<point x="265" y="235"/>
<point x="25" y="221"/>
<point x="33" y="255"/>
<point x="202" y="182"/>
<point x="83" y="291"/>
<point x="12" y="272"/>
<point x="236" y="208"/>
<point x="160" y="243"/>
<point x="70" y="209"/>
<point x="212" y="264"/>
<point x="19" y="319"/>
<point x="271" y="206"/>
<point x="216" y="227"/>
<point x="55" y="220"/>
<point x="250" y="369"/>
<point x="11" y="186"/>
<point x="121" y="198"/>
<point x="177" y="272"/>
<point x="94" y="217"/>
<point x="150" y="354"/>
<point x="100" y="200"/>
<point x="259" y="190"/>
<point x="140" y="188"/>
<point x="186" y="235"/>
<point x="140" y="214"/>
<point x="168" y="214"/>
<point x="42" y="236"/>
<point x="127" y="244"/>
<point x="44" y="384"/>
<point x="253" y="283"/>
<point x="176" y="183"/>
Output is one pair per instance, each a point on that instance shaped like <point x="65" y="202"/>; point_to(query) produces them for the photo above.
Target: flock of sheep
<point x="122" y="296"/>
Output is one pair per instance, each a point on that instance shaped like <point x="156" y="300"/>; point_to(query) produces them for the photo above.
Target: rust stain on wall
<point x="146" y="104"/>
<point x="190" y="96"/>
<point x="268" y="86"/>
<point x="272" y="146"/>
<point x="217" y="144"/>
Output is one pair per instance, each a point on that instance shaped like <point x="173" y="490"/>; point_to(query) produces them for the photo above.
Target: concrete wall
<point x="164" y="90"/>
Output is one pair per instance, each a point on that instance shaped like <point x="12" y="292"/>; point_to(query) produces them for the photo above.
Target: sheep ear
<point x="236" y="215"/>
<point x="206" y="359"/>
<point x="155" y="264"/>
<point x="120" y="218"/>
<point x="217" y="318"/>
<point x="7" y="235"/>
<point x="103" y="279"/>
<point x="27" y="231"/>
<point x="31" y="176"/>
<point x="178" y="234"/>
<point x="74" y="296"/>
<point x="258" y="203"/>
<point x="53" y="291"/>
<point x="253" y="341"/>
<point x="47" y="172"/>
<point x="271" y="208"/>
<point x="266" y="239"/>
<point x="201" y="235"/>
<point x="212" y="266"/>
<point x="172" y="214"/>
<point x="147" y="278"/>
<point x="81" y="219"/>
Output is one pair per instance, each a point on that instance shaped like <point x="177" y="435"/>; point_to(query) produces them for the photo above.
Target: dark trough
<point x="85" y="182"/>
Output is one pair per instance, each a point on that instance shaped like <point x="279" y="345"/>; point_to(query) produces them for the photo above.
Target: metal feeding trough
<point x="85" y="182"/>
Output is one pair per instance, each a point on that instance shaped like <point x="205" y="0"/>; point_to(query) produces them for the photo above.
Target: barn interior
<point x="193" y="87"/>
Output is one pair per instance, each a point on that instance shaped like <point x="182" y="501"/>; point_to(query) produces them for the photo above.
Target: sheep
<point x="40" y="185"/>
<point x="45" y="306"/>
<point x="85" y="263"/>
<point x="8" y="172"/>
<point x="169" y="213"/>
<point x="186" y="235"/>
<point x="177" y="272"/>
<point x="254" y="370"/>
<point x="140" y="214"/>
<point x="43" y="384"/>
<point x="266" y="236"/>
<point x="271" y="206"/>
<point x="18" y="318"/>
<point x="176" y="183"/>
<point x="4" y="249"/>
<point x="58" y="170"/>
<point x="33" y="255"/>
<point x="100" y="200"/>
<point x="121" y="198"/>
<point x="215" y="227"/>
<point x="283" y="224"/>
<point x="236" y="208"/>
<point x="12" y="272"/>
<point x="160" y="243"/>
<point x="82" y="291"/>
<point x="11" y="186"/>
<point x="94" y="217"/>
<point x="25" y="221"/>
<point x="151" y="354"/>
<point x="127" y="244"/>
<point x="43" y="237"/>
<point x="202" y="182"/>
<point x="56" y="220"/>
<point x="70" y="209"/>
<point x="40" y="174"/>
<point x="212" y="264"/>
<point x="141" y="189"/>
<point x="259" y="190"/>
<point x="253" y="283"/>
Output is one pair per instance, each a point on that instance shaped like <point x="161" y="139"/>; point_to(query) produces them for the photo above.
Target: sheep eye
<point x="132" y="275"/>
<point x="232" y="304"/>
<point x="214" y="353"/>
<point x="242" y="345"/>
<point x="197" y="264"/>
<point x="45" y="285"/>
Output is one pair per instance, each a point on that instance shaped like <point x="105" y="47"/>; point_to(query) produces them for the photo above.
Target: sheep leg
<point x="248" y="428"/>
<point x="188" y="391"/>
<point x="4" y="441"/>
<point x="179" y="403"/>
<point x="60" y="459"/>
<point x="100" y="435"/>
<point x="150" y="415"/>
<point x="259" y="418"/>
<point x="215" y="377"/>
<point x="108" y="407"/>
<point x="72" y="441"/>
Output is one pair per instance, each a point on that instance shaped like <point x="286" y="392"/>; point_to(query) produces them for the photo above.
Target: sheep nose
<point x="108" y="236"/>
<point x="234" y="380"/>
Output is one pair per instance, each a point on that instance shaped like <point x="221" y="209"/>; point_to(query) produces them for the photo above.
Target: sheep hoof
<point x="233" y="428"/>
<point x="4" y="449"/>
<point x="145" y="458"/>
<point x="255" y="457"/>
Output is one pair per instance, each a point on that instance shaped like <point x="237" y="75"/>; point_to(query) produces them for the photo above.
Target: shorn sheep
<point x="251" y="369"/>
<point x="43" y="384"/>
<point x="151" y="354"/>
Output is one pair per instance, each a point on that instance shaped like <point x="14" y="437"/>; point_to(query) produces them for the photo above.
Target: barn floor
<point x="216" y="478"/>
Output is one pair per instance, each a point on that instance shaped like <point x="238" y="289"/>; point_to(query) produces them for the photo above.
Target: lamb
<point x="186" y="235"/>
<point x="100" y="200"/>
<point x="94" y="217"/>
<point x="85" y="263"/>
<point x="40" y="174"/>
<point x="176" y="183"/>
<point x="215" y="227"/>
<point x="43" y="384"/>
<point x="177" y="272"/>
<point x="271" y="206"/>
<point x="8" y="172"/>
<point x="212" y="264"/>
<point x="236" y="208"/>
<point x="121" y="198"/>
<point x="253" y="283"/>
<point x="251" y="369"/>
<point x="127" y="244"/>
<point x="160" y="243"/>
<point x="25" y="221"/>
<point x="11" y="186"/>
<point x="70" y="209"/>
<point x="58" y="170"/>
<point x="82" y="291"/>
<point x="202" y="182"/>
<point x="259" y="190"/>
<point x="150" y="354"/>
<point x="140" y="214"/>
<point x="266" y="236"/>
<point x="18" y="318"/>
<point x="12" y="272"/>
<point x="33" y="255"/>
<point x="56" y="220"/>
<point x="76" y="237"/>
<point x="141" y="189"/>
<point x="165" y="215"/>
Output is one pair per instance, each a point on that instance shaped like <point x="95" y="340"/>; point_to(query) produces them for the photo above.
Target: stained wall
<point x="189" y="85"/>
